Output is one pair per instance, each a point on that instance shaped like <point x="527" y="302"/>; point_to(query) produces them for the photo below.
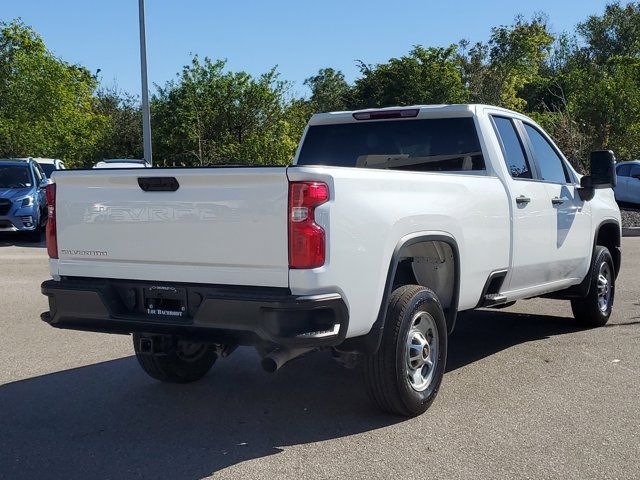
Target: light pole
<point x="146" y="111"/>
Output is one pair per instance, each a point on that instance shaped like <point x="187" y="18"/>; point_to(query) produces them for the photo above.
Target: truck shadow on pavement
<point x="109" y="420"/>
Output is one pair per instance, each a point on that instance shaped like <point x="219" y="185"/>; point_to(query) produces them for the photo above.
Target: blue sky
<point x="299" y="36"/>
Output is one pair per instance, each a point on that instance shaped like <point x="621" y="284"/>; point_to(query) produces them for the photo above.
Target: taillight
<point x="52" y="231"/>
<point x="306" y="237"/>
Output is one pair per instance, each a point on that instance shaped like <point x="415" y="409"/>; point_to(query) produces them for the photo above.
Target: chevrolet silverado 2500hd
<point x="388" y="223"/>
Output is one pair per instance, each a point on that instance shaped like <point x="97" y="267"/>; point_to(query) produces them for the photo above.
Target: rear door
<point x="220" y="226"/>
<point x="531" y="211"/>
<point x="570" y="246"/>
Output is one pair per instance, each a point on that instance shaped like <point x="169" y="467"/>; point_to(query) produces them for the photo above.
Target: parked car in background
<point x="388" y="224"/>
<point x="122" y="163"/>
<point x="628" y="188"/>
<point x="50" y="165"/>
<point x="23" y="207"/>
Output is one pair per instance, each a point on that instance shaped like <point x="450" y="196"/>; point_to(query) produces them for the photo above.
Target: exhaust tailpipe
<point x="276" y="359"/>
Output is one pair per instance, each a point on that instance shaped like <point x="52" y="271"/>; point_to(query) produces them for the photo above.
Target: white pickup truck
<point x="388" y="223"/>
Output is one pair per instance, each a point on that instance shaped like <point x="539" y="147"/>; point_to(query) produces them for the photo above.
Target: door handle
<point x="522" y="200"/>
<point x="557" y="200"/>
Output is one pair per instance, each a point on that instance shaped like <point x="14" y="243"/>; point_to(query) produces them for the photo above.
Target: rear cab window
<point x="421" y="145"/>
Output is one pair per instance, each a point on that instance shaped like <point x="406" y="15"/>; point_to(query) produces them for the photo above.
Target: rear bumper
<point x="224" y="314"/>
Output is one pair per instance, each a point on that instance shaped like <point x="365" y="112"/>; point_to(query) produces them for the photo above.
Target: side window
<point x="635" y="171"/>
<point x="624" y="170"/>
<point x="512" y="148"/>
<point x="551" y="166"/>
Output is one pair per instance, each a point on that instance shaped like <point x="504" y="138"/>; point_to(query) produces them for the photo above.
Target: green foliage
<point x="212" y="116"/>
<point x="47" y="106"/>
<point x="497" y="73"/>
<point x="425" y="76"/>
<point x="616" y="33"/>
<point x="606" y="98"/>
<point x="604" y="89"/>
<point x="329" y="90"/>
<point x="121" y="137"/>
<point x="584" y="88"/>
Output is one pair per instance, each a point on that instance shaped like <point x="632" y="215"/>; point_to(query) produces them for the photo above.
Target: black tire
<point x="175" y="366"/>
<point x="589" y="311"/>
<point x="387" y="372"/>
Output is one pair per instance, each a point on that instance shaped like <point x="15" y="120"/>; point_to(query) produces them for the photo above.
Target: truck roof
<point x="423" y="112"/>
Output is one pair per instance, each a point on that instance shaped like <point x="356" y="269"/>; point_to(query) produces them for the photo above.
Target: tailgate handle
<point x="158" y="184"/>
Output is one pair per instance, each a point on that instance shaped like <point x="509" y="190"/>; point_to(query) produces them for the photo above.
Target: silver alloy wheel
<point x="604" y="286"/>
<point x="422" y="351"/>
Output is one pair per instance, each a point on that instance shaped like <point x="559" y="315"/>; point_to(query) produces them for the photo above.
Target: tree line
<point x="582" y="86"/>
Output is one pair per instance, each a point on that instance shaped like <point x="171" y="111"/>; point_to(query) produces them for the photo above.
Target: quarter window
<point x="512" y="148"/>
<point x="551" y="166"/>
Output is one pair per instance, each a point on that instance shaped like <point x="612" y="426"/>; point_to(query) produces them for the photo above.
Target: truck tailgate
<point x="221" y="226"/>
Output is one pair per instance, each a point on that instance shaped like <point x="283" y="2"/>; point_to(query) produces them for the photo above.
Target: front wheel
<point x="595" y="309"/>
<point x="404" y="376"/>
<point x="182" y="362"/>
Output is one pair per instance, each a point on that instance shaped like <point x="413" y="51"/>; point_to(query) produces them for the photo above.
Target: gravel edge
<point x="630" y="218"/>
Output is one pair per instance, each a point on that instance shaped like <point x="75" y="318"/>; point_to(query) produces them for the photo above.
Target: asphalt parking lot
<point x="527" y="394"/>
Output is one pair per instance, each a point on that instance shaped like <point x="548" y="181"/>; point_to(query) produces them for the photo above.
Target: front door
<point x="570" y="240"/>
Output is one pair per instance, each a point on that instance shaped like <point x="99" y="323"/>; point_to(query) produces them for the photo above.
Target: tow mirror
<point x="602" y="175"/>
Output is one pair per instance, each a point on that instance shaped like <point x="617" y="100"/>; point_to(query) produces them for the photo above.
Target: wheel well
<point x="432" y="261"/>
<point x="432" y="264"/>
<point x="609" y="236"/>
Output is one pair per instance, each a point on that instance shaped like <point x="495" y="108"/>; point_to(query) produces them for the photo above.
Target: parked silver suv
<point x="628" y="188"/>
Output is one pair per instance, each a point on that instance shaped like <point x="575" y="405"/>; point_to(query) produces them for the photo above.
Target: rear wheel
<point x="595" y="309"/>
<point x="180" y="362"/>
<point x="404" y="376"/>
